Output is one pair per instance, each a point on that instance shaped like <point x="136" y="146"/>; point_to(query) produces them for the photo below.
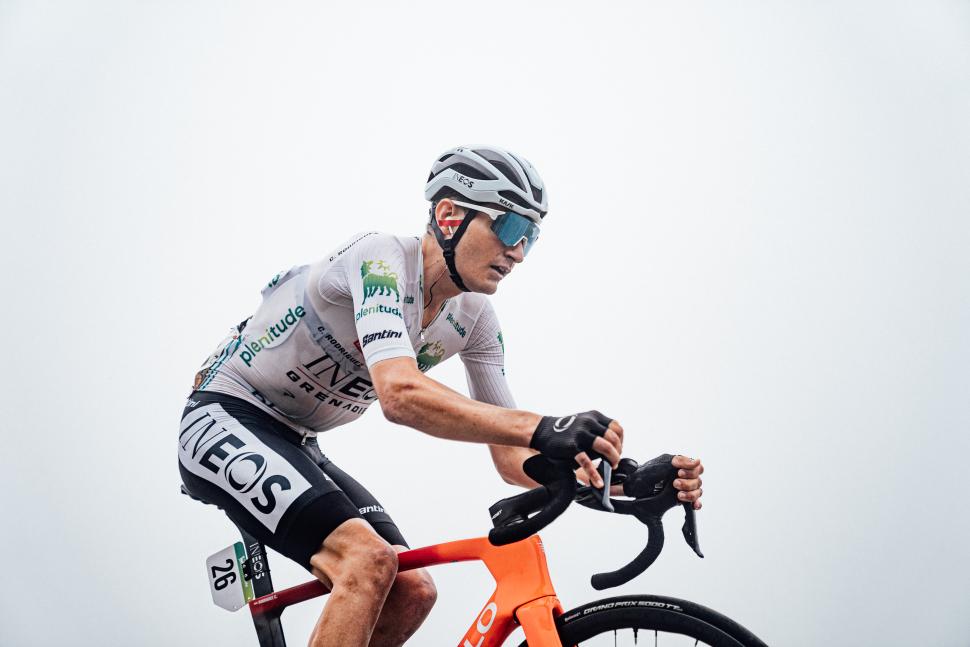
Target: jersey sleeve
<point x="484" y="360"/>
<point x="375" y="276"/>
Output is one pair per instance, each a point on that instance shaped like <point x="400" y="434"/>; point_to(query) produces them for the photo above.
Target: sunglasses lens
<point x="511" y="228"/>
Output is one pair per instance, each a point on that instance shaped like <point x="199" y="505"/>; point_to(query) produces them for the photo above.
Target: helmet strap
<point x="448" y="245"/>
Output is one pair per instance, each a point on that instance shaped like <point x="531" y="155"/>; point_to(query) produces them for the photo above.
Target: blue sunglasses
<point x="510" y="227"/>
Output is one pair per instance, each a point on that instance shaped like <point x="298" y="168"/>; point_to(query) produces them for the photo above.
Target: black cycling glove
<point x="563" y="438"/>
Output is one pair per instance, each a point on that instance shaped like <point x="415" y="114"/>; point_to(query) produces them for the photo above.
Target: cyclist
<point x="362" y="324"/>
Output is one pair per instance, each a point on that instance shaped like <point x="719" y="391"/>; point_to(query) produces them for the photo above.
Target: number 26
<point x="222" y="581"/>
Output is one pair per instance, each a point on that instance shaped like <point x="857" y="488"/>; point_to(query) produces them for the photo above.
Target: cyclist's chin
<point x="484" y="284"/>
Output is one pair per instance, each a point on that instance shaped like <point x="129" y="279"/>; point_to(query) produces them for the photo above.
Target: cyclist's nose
<point x="517" y="253"/>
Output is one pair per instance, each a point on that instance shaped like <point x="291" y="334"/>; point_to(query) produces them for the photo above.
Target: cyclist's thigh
<point x="367" y="505"/>
<point x="239" y="458"/>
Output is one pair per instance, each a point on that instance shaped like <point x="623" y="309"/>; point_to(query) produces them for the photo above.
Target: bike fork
<point x="538" y="620"/>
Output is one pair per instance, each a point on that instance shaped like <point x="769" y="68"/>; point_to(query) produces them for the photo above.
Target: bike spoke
<point x="630" y="637"/>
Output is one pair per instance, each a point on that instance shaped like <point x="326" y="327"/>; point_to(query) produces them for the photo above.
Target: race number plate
<point x="230" y="588"/>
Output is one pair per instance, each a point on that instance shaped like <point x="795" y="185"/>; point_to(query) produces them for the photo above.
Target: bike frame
<point x="523" y="594"/>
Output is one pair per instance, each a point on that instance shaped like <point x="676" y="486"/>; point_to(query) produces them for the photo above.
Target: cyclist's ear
<point x="449" y="216"/>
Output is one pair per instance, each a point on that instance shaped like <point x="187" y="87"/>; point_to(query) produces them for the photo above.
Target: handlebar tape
<point x="641" y="563"/>
<point x="562" y="495"/>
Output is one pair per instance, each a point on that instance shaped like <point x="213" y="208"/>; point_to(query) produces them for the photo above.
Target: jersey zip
<point x="433" y="319"/>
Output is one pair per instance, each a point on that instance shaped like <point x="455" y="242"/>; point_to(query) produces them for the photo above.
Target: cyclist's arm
<point x="508" y="463"/>
<point x="406" y="395"/>
<point x="484" y="361"/>
<point x="409" y="397"/>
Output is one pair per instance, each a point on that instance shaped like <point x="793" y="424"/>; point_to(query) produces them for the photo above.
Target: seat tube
<point x="258" y="565"/>
<point x="269" y="626"/>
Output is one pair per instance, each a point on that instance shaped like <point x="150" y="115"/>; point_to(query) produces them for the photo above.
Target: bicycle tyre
<point x="649" y="613"/>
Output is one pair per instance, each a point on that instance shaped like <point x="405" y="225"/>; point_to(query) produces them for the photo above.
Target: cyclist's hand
<point x="688" y="479"/>
<point x="582" y="437"/>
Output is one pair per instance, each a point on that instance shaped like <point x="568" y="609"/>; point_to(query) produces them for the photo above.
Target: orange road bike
<point x="524" y="595"/>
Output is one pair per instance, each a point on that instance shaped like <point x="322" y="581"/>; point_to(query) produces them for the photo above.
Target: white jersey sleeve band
<point x="375" y="273"/>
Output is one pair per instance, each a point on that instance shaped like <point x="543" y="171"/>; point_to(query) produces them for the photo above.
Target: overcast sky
<point x="757" y="253"/>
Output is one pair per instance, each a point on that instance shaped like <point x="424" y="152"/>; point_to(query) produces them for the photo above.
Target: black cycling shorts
<point x="281" y="490"/>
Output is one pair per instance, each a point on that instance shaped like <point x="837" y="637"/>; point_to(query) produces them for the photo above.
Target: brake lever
<point x="606" y="472"/>
<point x="689" y="529"/>
<point x="598" y="498"/>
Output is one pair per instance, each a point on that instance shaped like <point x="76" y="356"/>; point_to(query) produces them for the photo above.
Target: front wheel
<point x="667" y="621"/>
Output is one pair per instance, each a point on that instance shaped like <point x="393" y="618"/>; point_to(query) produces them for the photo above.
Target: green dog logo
<point x="380" y="284"/>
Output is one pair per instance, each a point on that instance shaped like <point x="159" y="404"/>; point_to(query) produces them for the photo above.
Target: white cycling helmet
<point x="486" y="176"/>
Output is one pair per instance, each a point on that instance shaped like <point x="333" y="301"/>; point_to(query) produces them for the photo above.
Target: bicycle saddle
<point x="184" y="491"/>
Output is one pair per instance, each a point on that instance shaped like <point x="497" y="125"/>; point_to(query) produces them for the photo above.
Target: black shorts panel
<point x="270" y="483"/>
<point x="368" y="506"/>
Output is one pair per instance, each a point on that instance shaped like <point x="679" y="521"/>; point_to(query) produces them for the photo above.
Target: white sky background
<point x="757" y="252"/>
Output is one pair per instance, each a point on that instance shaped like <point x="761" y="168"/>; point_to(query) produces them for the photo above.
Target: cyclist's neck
<point x="438" y="286"/>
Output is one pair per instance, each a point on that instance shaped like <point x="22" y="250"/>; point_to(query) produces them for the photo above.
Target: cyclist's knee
<point x="420" y="589"/>
<point x="426" y="595"/>
<point x="354" y="556"/>
<point x="379" y="558"/>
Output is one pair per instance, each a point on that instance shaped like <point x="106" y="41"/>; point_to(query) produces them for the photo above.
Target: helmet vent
<point x="512" y="197"/>
<point x="507" y="171"/>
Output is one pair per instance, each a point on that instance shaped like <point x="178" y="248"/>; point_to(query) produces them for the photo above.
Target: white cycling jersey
<point x="304" y="355"/>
